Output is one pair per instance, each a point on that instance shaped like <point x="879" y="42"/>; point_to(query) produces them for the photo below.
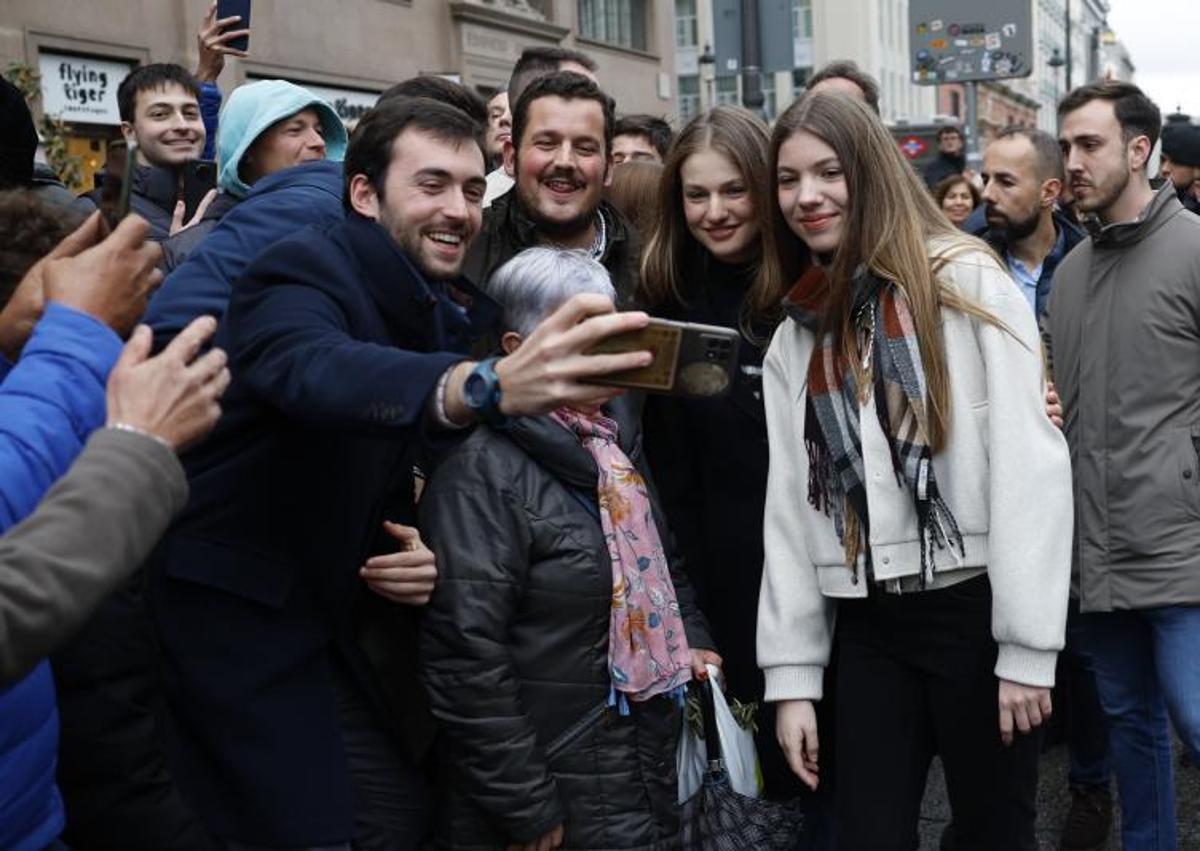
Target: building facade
<point x="348" y="51"/>
<point x="999" y="105"/>
<point x="874" y="33"/>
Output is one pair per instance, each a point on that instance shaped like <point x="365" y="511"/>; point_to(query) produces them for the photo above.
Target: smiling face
<point x="432" y="199"/>
<point x="958" y="203"/>
<point x="718" y="207"/>
<point x="166" y="126"/>
<point x="562" y="165"/>
<point x="812" y="191"/>
<point x="299" y="138"/>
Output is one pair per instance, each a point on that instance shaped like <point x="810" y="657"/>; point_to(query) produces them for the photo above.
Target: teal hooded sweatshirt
<point x="254" y="107"/>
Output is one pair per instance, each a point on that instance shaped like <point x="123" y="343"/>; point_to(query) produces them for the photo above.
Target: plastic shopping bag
<point x="727" y="814"/>
<point x="736" y="750"/>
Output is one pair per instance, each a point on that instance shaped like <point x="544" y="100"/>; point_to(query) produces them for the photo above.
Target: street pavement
<point x="1054" y="800"/>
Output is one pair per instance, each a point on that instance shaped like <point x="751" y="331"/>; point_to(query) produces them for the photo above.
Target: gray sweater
<point x="90" y="532"/>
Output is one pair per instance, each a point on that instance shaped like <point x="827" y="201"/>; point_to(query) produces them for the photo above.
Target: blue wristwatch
<point x="481" y="392"/>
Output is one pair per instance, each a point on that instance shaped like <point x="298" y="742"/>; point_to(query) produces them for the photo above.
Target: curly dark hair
<point x="29" y="229"/>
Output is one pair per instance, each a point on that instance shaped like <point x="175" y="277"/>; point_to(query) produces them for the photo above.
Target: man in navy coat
<point x="346" y="346"/>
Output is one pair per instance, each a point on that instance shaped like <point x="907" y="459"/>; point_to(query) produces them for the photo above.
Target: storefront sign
<point x="76" y="88"/>
<point x="349" y="104"/>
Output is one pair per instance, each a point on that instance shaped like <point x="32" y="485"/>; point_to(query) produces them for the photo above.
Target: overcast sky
<point x="1163" y="37"/>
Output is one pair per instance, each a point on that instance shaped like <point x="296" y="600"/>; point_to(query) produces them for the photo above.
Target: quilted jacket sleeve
<point x="50" y="401"/>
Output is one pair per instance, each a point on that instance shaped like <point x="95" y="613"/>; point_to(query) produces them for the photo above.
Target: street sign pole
<point x="972" y="124"/>
<point x="752" y="93"/>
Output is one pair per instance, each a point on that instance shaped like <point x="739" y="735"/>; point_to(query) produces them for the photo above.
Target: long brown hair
<point x="740" y="137"/>
<point x="634" y="192"/>
<point x="890" y="225"/>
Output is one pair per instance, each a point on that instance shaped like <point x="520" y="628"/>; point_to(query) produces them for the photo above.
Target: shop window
<point x="618" y="22"/>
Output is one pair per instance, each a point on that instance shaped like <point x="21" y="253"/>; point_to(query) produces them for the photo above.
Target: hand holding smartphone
<point x="689" y="359"/>
<point x="114" y="193"/>
<point x="199" y="178"/>
<point x="240" y="9"/>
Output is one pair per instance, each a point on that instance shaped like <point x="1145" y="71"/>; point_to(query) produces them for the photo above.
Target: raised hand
<point x="213" y="44"/>
<point x="173" y="396"/>
<point x="112" y="280"/>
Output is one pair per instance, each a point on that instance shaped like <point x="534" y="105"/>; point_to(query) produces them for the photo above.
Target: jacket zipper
<point x="569" y="735"/>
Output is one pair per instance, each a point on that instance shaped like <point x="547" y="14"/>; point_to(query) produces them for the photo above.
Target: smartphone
<point x="229" y="8"/>
<point x="689" y="359"/>
<point x="199" y="178"/>
<point x="114" y="191"/>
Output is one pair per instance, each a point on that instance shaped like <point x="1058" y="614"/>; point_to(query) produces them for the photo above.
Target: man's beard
<point x="411" y="244"/>
<point x="1104" y="195"/>
<point x="557" y="231"/>
<point x="1015" y="230"/>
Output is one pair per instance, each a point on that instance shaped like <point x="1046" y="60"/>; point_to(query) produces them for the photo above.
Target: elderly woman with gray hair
<point x="561" y="635"/>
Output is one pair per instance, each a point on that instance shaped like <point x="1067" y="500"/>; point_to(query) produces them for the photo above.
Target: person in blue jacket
<point x="51" y="399"/>
<point x="266" y="127"/>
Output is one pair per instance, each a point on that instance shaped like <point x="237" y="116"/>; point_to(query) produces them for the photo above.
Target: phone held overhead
<point x="240" y="8"/>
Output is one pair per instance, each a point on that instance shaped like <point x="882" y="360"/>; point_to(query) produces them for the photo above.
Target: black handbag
<point x="719" y="819"/>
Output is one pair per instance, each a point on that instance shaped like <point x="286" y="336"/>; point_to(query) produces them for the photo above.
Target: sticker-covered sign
<point x="965" y="40"/>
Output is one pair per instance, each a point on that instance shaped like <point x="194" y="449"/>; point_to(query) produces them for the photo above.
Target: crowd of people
<point x="321" y="529"/>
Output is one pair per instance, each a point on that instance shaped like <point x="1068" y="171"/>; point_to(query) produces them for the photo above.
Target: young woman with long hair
<point x="702" y="263"/>
<point x="918" y="497"/>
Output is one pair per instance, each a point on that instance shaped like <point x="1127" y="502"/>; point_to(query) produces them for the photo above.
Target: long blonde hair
<point x="741" y="137"/>
<point x="890" y="225"/>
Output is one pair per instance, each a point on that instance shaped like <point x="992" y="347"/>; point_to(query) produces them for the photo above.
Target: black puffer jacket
<point x="515" y="649"/>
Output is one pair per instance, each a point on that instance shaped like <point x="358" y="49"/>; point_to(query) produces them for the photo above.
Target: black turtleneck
<point x="709" y="458"/>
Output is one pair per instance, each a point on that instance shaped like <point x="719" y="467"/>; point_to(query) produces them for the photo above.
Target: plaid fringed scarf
<point x="832" y="436"/>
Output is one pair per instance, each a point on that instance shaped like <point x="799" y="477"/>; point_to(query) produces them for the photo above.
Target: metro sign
<point x="912" y="147"/>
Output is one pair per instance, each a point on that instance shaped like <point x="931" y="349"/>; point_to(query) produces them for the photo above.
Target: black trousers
<point x="915" y="678"/>
<point x="391" y="794"/>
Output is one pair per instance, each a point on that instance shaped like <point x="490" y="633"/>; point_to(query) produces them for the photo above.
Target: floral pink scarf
<point x="647" y="651"/>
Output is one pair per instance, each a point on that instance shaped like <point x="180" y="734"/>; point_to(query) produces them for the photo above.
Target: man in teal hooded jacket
<point x="275" y="206"/>
<point x="266" y="127"/>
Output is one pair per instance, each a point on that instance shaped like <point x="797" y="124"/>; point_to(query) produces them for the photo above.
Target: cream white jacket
<point x="1005" y="474"/>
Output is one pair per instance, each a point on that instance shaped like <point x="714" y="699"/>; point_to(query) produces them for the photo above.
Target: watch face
<point x="475" y="391"/>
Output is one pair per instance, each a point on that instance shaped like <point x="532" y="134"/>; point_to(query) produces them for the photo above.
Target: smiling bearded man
<point x="561" y="154"/>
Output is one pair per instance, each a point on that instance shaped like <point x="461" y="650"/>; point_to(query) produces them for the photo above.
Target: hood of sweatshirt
<point x="253" y="108"/>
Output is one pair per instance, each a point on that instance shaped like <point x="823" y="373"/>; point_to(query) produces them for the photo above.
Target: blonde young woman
<point x="919" y="497"/>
